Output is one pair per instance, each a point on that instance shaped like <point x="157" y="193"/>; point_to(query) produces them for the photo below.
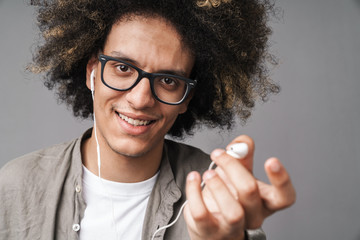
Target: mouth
<point x="135" y="122"/>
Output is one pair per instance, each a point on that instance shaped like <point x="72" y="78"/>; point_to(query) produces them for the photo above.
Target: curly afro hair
<point x="229" y="39"/>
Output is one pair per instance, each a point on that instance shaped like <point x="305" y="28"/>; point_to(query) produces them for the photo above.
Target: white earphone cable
<point x="181" y="209"/>
<point x="99" y="160"/>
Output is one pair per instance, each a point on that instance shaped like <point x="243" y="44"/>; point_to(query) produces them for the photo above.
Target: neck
<point x="118" y="167"/>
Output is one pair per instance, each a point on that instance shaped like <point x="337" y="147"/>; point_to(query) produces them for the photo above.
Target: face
<point x="133" y="123"/>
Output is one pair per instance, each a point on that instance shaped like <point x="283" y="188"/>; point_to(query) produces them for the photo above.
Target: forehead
<point x="148" y="40"/>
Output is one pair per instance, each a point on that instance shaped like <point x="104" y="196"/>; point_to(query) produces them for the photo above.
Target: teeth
<point x="134" y="122"/>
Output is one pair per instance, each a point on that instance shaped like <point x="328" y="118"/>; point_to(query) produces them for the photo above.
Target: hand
<point x="233" y="200"/>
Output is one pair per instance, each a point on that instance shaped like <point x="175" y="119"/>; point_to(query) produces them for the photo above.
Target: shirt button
<point x="76" y="227"/>
<point x="78" y="188"/>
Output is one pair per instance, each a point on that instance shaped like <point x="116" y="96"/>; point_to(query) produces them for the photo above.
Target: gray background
<point x="312" y="125"/>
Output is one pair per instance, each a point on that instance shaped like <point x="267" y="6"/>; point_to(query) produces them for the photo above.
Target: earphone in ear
<point x="92" y="79"/>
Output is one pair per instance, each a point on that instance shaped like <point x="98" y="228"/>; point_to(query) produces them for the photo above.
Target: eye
<point x="168" y="81"/>
<point x="123" y="68"/>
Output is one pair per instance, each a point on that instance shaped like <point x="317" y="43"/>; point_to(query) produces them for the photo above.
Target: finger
<point x="239" y="176"/>
<point x="282" y="194"/>
<point x="248" y="160"/>
<point x="266" y="192"/>
<point x="245" y="185"/>
<point x="230" y="209"/>
<point x="198" y="211"/>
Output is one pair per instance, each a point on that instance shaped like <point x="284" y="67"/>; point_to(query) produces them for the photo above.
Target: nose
<point x="140" y="96"/>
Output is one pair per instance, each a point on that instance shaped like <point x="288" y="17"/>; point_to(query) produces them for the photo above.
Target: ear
<point x="91" y="65"/>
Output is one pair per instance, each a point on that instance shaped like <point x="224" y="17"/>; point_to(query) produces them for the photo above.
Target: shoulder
<point x="32" y="188"/>
<point x="35" y="167"/>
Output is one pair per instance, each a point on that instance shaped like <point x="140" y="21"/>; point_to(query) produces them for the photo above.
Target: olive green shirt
<point x="41" y="193"/>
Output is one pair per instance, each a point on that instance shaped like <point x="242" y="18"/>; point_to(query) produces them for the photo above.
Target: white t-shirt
<point x="113" y="203"/>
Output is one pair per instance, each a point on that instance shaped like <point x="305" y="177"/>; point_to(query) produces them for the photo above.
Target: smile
<point x="135" y="122"/>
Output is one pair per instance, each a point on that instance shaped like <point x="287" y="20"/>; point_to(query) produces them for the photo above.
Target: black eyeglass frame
<point x="190" y="83"/>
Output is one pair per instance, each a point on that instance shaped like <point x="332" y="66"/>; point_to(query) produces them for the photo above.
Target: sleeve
<point x="255" y="234"/>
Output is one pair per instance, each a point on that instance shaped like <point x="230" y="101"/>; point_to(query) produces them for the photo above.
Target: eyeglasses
<point x="122" y="76"/>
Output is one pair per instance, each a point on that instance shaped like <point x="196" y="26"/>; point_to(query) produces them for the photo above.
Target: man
<point x="144" y="69"/>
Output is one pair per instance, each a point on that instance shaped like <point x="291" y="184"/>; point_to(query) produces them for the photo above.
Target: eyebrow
<point x="121" y="56"/>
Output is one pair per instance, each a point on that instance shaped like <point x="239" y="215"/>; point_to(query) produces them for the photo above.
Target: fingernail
<point x="209" y="174"/>
<point x="275" y="166"/>
<point x="192" y="176"/>
<point x="217" y="152"/>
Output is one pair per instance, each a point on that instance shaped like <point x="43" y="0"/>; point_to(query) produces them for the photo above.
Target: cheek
<point x="173" y="114"/>
<point x="105" y="94"/>
<point x="104" y="101"/>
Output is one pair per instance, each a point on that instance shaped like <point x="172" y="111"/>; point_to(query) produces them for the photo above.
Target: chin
<point x="130" y="154"/>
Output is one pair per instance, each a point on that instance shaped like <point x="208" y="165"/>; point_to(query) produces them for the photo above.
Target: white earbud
<point x="92" y="79"/>
<point x="238" y="150"/>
